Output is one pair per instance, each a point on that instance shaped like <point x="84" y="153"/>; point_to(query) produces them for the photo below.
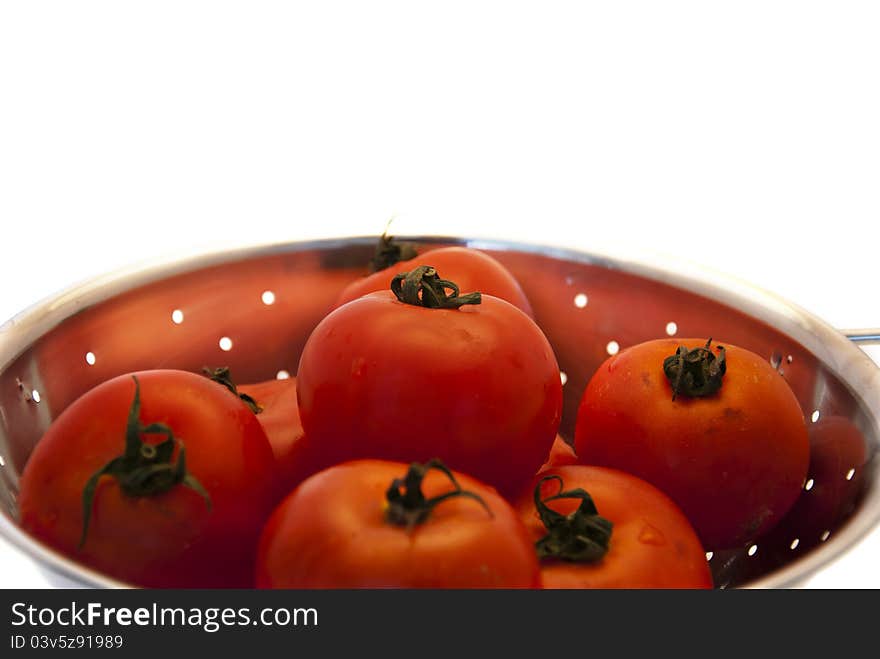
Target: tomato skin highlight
<point x="471" y="269"/>
<point x="170" y="539"/>
<point x="734" y="461"/>
<point x="652" y="543"/>
<point x="477" y="387"/>
<point x="331" y="532"/>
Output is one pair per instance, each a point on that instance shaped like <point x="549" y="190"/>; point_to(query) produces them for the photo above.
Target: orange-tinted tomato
<point x="652" y="544"/>
<point x="734" y="461"/>
<point x="333" y="532"/>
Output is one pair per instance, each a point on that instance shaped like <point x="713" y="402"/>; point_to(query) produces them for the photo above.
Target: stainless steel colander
<point x="253" y="308"/>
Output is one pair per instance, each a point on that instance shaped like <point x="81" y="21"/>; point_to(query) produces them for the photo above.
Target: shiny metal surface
<point x="865" y="336"/>
<point x="178" y="313"/>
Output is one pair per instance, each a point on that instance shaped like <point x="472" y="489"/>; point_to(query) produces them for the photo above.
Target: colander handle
<point x="863" y="336"/>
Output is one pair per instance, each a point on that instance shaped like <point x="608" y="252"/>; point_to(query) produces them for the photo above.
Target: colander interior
<point x="253" y="309"/>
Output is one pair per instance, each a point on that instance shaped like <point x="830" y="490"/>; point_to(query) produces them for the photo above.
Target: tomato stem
<point x="389" y="252"/>
<point x="422" y="287"/>
<point x="222" y="376"/>
<point x="696" y="373"/>
<point x="407" y="505"/>
<point x="143" y="469"/>
<point x="581" y="536"/>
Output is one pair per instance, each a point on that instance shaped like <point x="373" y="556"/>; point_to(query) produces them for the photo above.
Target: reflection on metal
<point x="267" y="299"/>
<point x="864" y="336"/>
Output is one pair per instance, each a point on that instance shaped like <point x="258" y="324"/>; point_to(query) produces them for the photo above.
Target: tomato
<point x="561" y="453"/>
<point x="730" y="446"/>
<point x="476" y="386"/>
<point x="177" y="469"/>
<point x="612" y="530"/>
<point x="471" y="269"/>
<point x="836" y="477"/>
<point x="382" y="524"/>
<point x="838" y="456"/>
<point x="279" y="416"/>
<point x="835" y="480"/>
<point x="274" y="402"/>
<point x="839" y="461"/>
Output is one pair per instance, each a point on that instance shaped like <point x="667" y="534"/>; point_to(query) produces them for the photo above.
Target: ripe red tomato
<point x="835" y="480"/>
<point x="380" y="524"/>
<point x="182" y="512"/>
<point x="471" y="269"/>
<point x="476" y="386"/>
<point x="279" y="416"/>
<point x="839" y="457"/>
<point x="627" y="533"/>
<point x="730" y="447"/>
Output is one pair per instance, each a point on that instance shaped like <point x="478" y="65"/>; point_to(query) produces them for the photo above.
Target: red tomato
<point x="838" y="455"/>
<point x="373" y="524"/>
<point x="183" y="512"/>
<point x="561" y="453"/>
<point x="835" y="480"/>
<point x="478" y="387"/>
<point x="649" y="543"/>
<point x="733" y="459"/>
<point x="279" y="416"/>
<point x="471" y="269"/>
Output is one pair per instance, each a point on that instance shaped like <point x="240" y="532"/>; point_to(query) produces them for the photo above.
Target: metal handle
<point x="863" y="336"/>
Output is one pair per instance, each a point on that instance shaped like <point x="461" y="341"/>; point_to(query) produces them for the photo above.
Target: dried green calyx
<point x="582" y="536"/>
<point x="222" y="376"/>
<point x="144" y="469"/>
<point x="389" y="252"/>
<point x="695" y="373"/>
<point x="423" y="287"/>
<point x="406" y="503"/>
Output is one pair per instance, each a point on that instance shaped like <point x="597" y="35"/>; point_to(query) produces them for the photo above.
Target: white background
<point x="741" y="136"/>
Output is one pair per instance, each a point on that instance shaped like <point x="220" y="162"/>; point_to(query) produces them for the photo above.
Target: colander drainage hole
<point x="776" y="360"/>
<point x="809" y="484"/>
<point x="753" y="549"/>
<point x="177" y="316"/>
<point x="794" y="544"/>
<point x="2" y="461"/>
<point x="580" y="300"/>
<point x="268" y="298"/>
<point x="563" y="377"/>
<point x="225" y="343"/>
<point x="709" y="555"/>
<point x="825" y="535"/>
<point x="612" y="348"/>
<point x="282" y="375"/>
<point x="816" y="415"/>
<point x="32" y="396"/>
<point x="671" y="328"/>
<point x="90" y="358"/>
